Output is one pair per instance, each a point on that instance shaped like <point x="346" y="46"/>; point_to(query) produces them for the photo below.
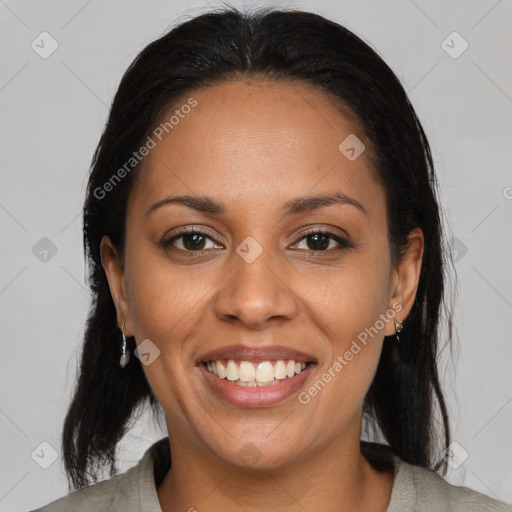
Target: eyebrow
<point x="296" y="206"/>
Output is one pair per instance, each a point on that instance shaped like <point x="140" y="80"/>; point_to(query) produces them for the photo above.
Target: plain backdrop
<point x="52" y="114"/>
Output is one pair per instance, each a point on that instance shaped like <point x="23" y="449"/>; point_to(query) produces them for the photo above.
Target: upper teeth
<point x="256" y="373"/>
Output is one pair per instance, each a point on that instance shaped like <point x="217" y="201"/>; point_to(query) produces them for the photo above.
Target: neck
<point x="335" y="478"/>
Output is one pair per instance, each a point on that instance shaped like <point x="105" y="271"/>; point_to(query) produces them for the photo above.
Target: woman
<point x="267" y="260"/>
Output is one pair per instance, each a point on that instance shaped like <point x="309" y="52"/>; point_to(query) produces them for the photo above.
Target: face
<point x="257" y="277"/>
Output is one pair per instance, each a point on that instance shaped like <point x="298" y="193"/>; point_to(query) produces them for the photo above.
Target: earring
<point x="125" y="355"/>
<point x="398" y="328"/>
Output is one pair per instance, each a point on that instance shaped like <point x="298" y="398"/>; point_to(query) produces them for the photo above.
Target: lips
<point x="256" y="354"/>
<point x="254" y="377"/>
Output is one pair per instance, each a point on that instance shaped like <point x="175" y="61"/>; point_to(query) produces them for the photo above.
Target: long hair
<point x="405" y="399"/>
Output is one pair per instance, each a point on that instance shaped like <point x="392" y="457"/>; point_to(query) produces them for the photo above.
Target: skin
<point x="254" y="145"/>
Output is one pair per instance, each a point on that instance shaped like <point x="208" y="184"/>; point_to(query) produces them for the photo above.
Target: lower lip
<point x="259" y="396"/>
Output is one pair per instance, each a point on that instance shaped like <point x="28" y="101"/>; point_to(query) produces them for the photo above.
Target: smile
<point x="255" y="384"/>
<point x="255" y="374"/>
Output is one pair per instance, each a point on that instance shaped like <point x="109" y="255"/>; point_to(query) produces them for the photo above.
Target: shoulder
<point x="131" y="491"/>
<point x="420" y="489"/>
<point x="416" y="489"/>
<point x="95" y="497"/>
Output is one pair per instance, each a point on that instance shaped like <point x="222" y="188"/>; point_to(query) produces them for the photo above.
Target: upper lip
<point x="255" y="354"/>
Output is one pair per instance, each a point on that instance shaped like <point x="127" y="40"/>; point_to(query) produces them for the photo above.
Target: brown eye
<point x="320" y="241"/>
<point x="191" y="241"/>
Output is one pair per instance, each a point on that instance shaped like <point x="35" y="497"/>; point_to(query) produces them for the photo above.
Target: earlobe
<point x="116" y="282"/>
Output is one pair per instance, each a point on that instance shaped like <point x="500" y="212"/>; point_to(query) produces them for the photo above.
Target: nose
<point x="256" y="292"/>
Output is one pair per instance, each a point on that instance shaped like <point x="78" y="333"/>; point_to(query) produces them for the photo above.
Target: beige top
<point x="415" y="489"/>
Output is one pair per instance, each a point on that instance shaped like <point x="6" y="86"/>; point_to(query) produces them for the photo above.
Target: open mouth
<point x="256" y="374"/>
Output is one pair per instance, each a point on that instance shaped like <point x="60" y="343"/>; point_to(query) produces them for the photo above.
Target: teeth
<point x="250" y="374"/>
<point x="280" y="370"/>
<point x="221" y="371"/>
<point x="264" y="372"/>
<point x="251" y="384"/>
<point x="232" y="370"/>
<point x="246" y="372"/>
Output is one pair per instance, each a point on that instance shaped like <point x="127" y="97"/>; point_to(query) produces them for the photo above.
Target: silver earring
<point x="125" y="355"/>
<point x="398" y="328"/>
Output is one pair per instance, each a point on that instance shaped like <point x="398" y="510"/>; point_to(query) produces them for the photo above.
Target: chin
<point x="258" y="455"/>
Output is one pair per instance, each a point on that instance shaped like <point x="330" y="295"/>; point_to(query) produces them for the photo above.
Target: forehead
<point x="255" y="141"/>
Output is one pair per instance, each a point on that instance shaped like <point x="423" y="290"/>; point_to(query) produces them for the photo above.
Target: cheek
<point x="164" y="302"/>
<point x="165" y="306"/>
<point x="347" y="312"/>
<point x="348" y="305"/>
<point x="347" y="300"/>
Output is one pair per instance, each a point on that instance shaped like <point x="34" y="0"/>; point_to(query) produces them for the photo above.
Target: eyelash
<point x="343" y="243"/>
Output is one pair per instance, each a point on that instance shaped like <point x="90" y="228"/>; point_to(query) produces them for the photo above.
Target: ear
<point x="405" y="278"/>
<point x="116" y="281"/>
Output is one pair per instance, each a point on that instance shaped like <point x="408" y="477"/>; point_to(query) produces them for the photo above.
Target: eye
<point x="190" y="240"/>
<point x="320" y="241"/>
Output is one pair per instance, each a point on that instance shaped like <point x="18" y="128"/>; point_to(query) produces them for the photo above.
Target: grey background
<point x="53" y="112"/>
